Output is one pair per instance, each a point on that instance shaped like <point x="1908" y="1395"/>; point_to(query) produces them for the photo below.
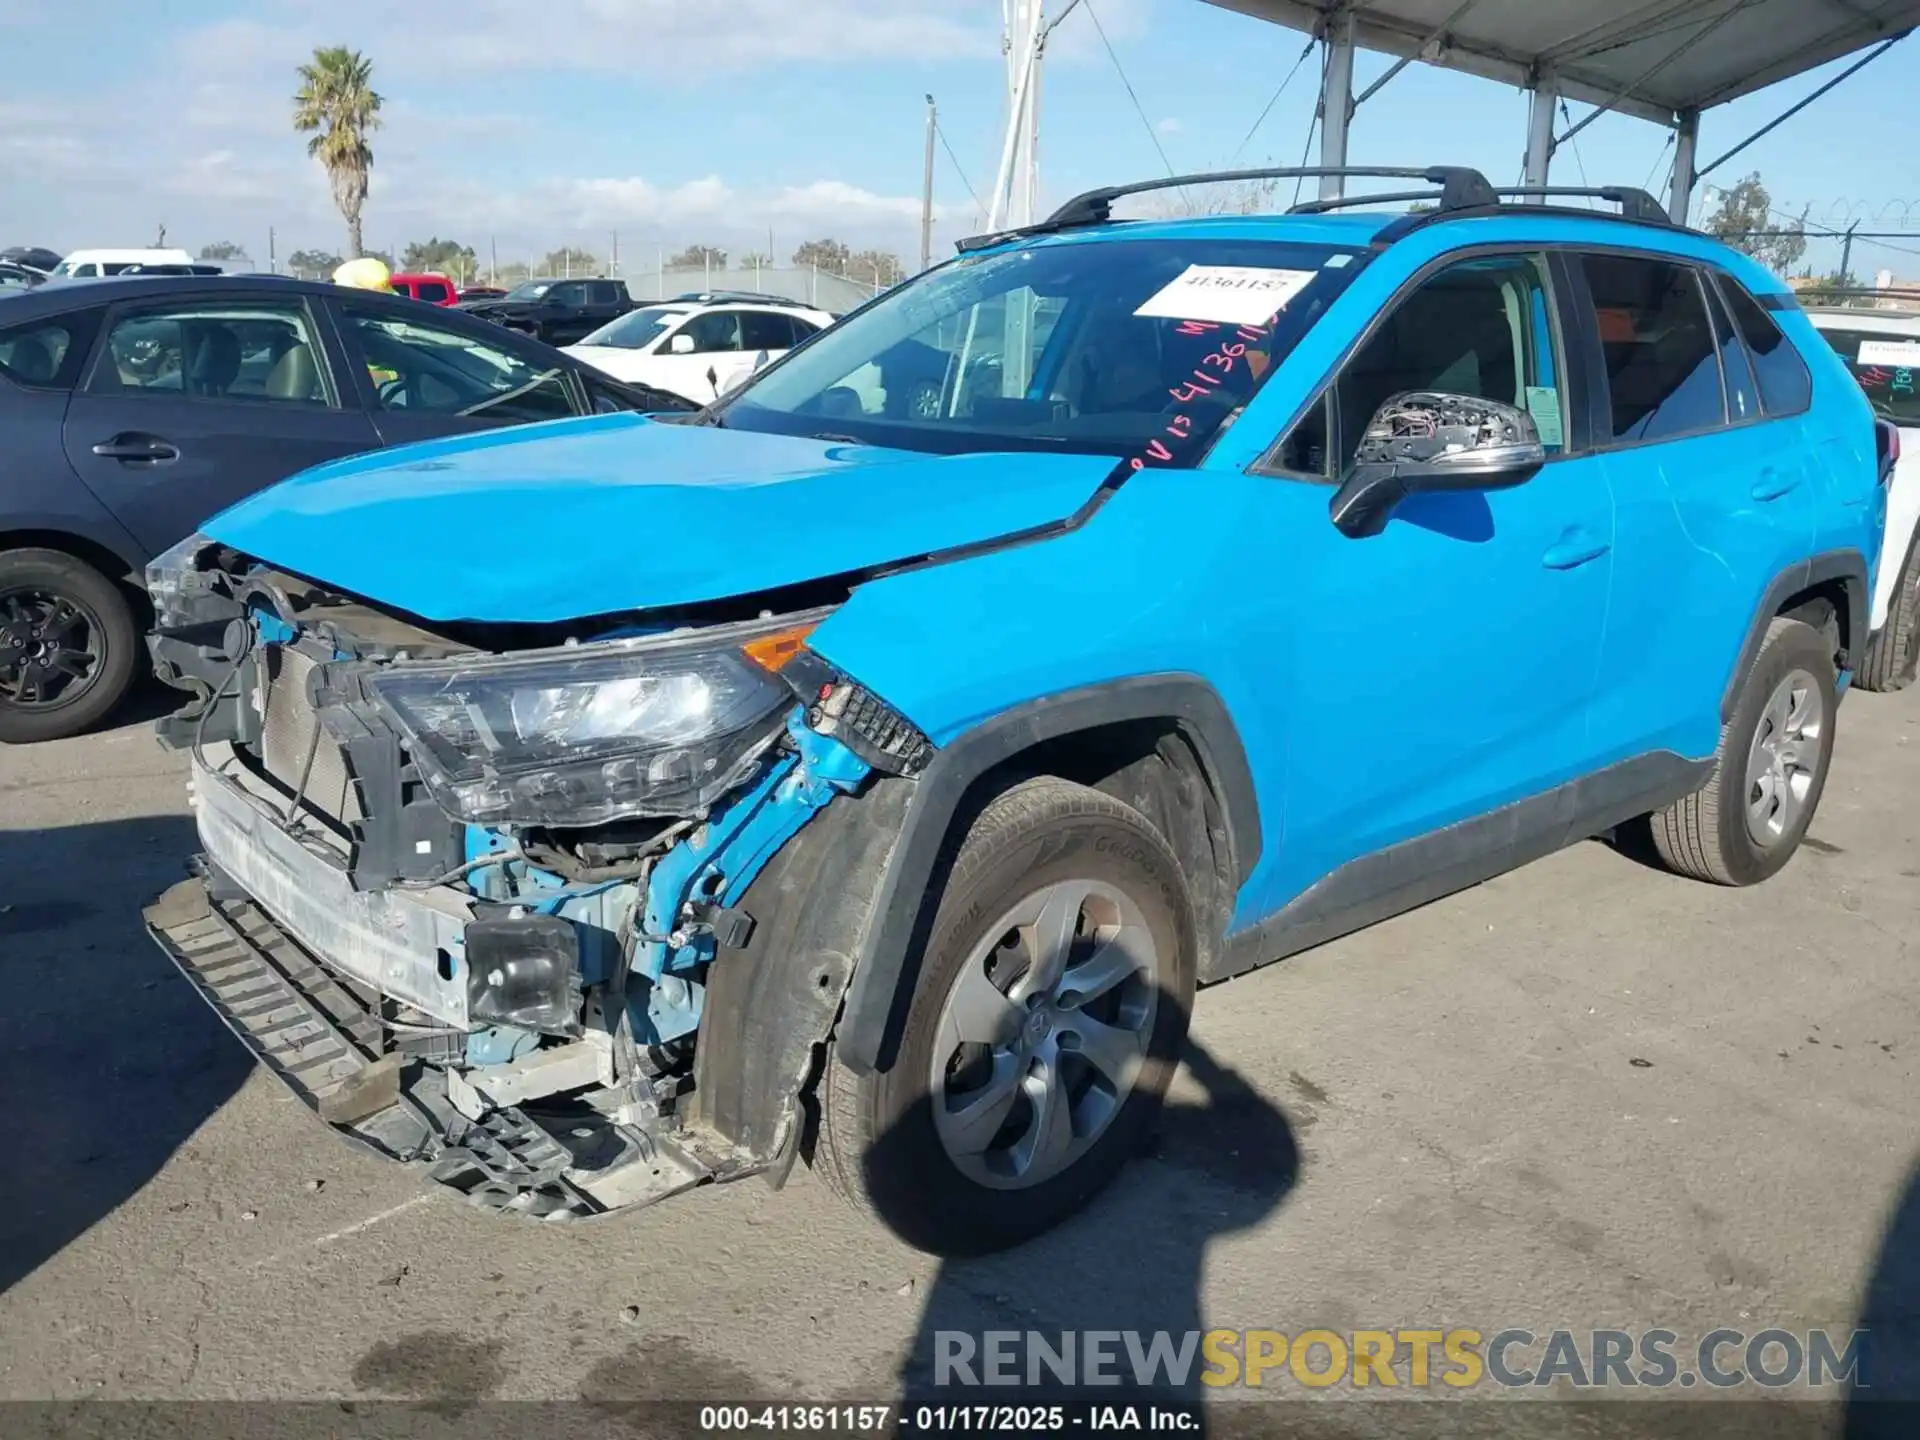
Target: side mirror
<point x="680" y="345"/>
<point x="1423" y="440"/>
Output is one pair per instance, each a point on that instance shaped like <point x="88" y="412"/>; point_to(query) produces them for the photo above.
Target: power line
<point x="1138" y="109"/>
<point x="1272" y="100"/>
<point x="958" y="169"/>
<point x="1326" y="59"/>
<point x="1656" y="162"/>
<point x="1574" y="141"/>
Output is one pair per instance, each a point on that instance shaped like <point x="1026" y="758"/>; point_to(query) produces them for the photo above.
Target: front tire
<point x="1889" y="662"/>
<point x="1769" y="770"/>
<point x="1047" y="1018"/>
<point x="67" y="645"/>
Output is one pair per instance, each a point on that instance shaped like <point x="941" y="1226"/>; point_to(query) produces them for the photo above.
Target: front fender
<point x="885" y="970"/>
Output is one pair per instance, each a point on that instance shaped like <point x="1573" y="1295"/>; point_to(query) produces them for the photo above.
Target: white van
<point x="90" y="264"/>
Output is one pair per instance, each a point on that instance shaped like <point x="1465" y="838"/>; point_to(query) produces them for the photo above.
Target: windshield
<point x="634" y="330"/>
<point x="1103" y="346"/>
<point x="1885" y="366"/>
<point x="530" y="290"/>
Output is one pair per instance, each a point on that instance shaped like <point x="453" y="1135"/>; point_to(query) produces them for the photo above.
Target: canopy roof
<point x="1658" y="57"/>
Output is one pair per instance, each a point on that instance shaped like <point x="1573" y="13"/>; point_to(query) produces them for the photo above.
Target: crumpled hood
<point x="617" y="512"/>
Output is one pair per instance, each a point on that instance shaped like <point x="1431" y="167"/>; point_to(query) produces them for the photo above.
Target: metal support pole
<point x="1336" y="103"/>
<point x="1540" y="142"/>
<point x="1846" y="253"/>
<point x="926" y="192"/>
<point x="1686" y="139"/>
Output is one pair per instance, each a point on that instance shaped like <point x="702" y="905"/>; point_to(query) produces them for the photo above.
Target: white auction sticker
<point x="1889" y="352"/>
<point x="1227" y="294"/>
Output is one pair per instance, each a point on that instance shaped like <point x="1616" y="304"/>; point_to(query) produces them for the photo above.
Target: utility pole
<point x="926" y="193"/>
<point x="272" y="267"/>
<point x="613" y="261"/>
<point x="493" y="261"/>
<point x="1846" y="253"/>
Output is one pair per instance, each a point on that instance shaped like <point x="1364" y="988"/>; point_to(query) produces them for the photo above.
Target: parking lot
<point x="1587" y="1094"/>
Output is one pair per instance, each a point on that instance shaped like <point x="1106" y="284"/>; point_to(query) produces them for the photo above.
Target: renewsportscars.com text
<point x="1415" y="1359"/>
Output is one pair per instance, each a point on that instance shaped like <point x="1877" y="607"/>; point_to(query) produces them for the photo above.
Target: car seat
<point x="216" y="362"/>
<point x="30" y="360"/>
<point x="295" y="375"/>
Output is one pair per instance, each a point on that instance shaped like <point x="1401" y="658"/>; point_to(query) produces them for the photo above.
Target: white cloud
<point x="1170" y="126"/>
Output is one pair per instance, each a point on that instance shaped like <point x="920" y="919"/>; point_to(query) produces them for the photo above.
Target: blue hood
<point x="589" y="517"/>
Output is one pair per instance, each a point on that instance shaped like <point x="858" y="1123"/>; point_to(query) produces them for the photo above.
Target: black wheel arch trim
<point x="882" y="982"/>
<point x="1847" y="566"/>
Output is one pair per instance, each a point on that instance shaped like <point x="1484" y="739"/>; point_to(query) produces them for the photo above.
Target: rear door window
<point x="432" y="291"/>
<point x="1663" y="367"/>
<point x="212" y="350"/>
<point x="765" y="330"/>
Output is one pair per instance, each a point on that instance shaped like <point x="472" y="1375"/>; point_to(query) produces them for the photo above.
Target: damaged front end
<point x="473" y="893"/>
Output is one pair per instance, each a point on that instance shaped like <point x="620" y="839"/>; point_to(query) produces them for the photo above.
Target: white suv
<point x="698" y="346"/>
<point x="1882" y="348"/>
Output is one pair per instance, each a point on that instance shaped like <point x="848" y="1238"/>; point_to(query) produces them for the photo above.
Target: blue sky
<point x="681" y="121"/>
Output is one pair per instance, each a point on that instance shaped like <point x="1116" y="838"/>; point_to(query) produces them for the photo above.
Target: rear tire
<point x="54" y="609"/>
<point x="950" y="1147"/>
<point x="1769" y="770"/>
<point x="1889" y="662"/>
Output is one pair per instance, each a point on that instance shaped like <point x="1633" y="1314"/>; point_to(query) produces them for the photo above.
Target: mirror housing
<point x="680" y="345"/>
<point x="1426" y="440"/>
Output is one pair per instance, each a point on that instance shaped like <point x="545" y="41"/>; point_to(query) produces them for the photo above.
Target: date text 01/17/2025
<point x="1053" y="1419"/>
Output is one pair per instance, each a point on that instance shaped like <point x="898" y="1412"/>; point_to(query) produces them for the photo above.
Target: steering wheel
<point x="393" y="394"/>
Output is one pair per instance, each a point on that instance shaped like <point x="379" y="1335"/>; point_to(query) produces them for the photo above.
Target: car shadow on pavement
<point x="108" y="1060"/>
<point x="1134" y="1260"/>
<point x="1885" y="1402"/>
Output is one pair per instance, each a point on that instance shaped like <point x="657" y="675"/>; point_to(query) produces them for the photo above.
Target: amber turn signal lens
<point x="772" y="652"/>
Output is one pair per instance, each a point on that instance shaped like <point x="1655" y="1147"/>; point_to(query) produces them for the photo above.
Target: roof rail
<point x="1461" y="188"/>
<point x="1634" y="203"/>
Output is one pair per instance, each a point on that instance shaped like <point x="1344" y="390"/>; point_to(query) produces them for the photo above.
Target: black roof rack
<point x="1634" y="203"/>
<point x="1461" y="188"/>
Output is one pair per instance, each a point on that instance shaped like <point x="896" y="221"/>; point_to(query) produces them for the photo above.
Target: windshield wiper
<point x="834" y="437"/>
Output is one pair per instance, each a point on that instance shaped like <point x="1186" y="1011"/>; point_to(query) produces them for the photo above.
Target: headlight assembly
<point x="591" y="733"/>
<point x="177" y="584"/>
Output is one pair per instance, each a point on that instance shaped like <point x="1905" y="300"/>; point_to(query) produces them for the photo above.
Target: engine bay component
<point x="524" y="971"/>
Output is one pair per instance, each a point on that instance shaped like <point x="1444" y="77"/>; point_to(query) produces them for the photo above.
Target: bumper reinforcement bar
<point x="326" y="1043"/>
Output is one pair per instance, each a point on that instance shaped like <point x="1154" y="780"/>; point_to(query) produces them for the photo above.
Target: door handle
<point x="1573" y="549"/>
<point x="134" y="448"/>
<point x="1772" y="484"/>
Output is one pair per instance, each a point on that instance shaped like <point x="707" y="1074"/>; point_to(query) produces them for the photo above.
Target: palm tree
<point x="336" y="104"/>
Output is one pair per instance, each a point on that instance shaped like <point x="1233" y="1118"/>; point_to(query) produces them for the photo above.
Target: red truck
<point x="433" y="288"/>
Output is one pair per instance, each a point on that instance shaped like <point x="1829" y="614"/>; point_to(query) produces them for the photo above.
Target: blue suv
<point x="870" y="766"/>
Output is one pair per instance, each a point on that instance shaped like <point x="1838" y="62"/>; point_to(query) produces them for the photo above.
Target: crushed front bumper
<point x="322" y="1036"/>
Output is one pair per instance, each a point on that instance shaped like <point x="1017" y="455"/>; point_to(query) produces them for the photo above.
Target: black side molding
<point x="882" y="981"/>
<point x="1847" y="566"/>
<point x="1425" y="868"/>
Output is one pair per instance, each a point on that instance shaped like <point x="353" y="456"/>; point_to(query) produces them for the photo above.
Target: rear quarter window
<point x="46" y="354"/>
<point x="1786" y="386"/>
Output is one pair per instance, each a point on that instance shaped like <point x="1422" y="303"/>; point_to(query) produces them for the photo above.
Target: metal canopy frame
<point x="1658" y="60"/>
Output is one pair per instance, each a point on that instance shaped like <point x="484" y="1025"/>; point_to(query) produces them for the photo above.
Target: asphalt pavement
<point x="1587" y="1094"/>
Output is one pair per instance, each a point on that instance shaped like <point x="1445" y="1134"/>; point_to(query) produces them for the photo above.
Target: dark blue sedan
<point x="134" y="409"/>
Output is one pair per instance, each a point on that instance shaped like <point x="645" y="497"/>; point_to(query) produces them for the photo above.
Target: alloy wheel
<point x="1043" y="1034"/>
<point x="50" y="649"/>
<point x="1783" y="761"/>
